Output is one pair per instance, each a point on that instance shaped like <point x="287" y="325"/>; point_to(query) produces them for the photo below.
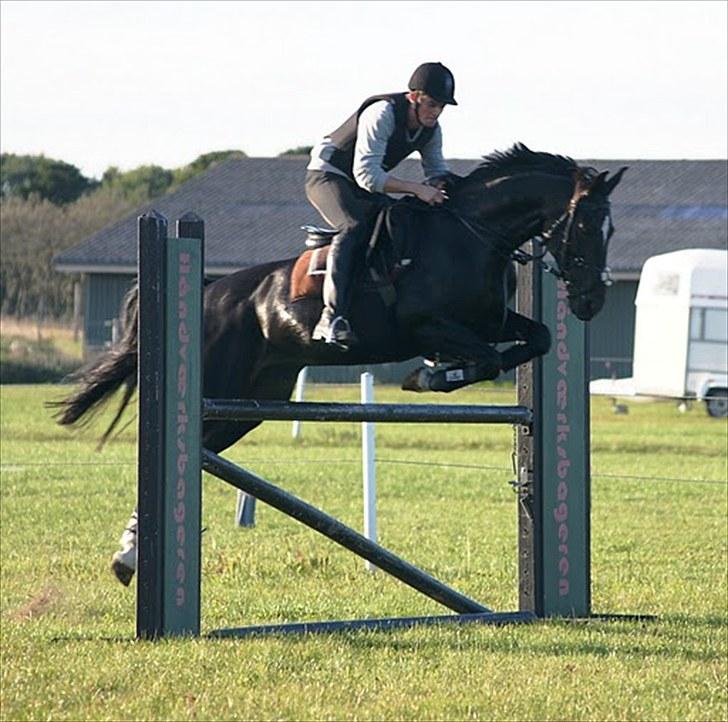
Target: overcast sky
<point x="131" y="83"/>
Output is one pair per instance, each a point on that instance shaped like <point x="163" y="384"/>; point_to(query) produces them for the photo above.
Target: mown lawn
<point x="660" y="537"/>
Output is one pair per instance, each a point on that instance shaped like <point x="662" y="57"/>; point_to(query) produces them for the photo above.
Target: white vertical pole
<point x="300" y="387"/>
<point x="368" y="462"/>
<point x="245" y="510"/>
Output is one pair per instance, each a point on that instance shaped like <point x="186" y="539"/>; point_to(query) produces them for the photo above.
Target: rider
<point x="349" y="173"/>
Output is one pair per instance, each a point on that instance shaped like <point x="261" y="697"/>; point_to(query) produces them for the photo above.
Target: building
<point x="253" y="209"/>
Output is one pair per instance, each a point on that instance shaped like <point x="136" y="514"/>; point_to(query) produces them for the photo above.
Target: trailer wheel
<point x="716" y="402"/>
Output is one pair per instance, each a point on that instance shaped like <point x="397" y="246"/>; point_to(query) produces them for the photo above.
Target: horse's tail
<point x="104" y="376"/>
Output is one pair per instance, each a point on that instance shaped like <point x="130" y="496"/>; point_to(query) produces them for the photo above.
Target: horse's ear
<point x="598" y="181"/>
<point x="592" y="185"/>
<point x="611" y="184"/>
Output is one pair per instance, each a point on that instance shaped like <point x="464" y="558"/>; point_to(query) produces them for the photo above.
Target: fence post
<point x="169" y="477"/>
<point x="300" y="390"/>
<point x="152" y="324"/>
<point x="553" y="458"/>
<point x="369" y="466"/>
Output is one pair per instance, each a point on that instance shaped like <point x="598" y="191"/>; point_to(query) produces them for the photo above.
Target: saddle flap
<point x="307" y="277"/>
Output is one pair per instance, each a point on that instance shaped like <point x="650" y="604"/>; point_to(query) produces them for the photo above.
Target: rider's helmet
<point x="435" y="80"/>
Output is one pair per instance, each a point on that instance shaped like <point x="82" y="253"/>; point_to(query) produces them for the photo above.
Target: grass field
<point x="660" y="536"/>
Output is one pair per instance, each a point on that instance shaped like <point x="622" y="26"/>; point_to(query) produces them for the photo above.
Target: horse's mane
<point x="519" y="160"/>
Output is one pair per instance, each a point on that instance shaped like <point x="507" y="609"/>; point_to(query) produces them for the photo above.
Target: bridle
<point x="555" y="240"/>
<point x="561" y="240"/>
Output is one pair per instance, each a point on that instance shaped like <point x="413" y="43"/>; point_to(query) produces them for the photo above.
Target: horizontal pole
<point x="340" y="533"/>
<point x="495" y="618"/>
<point x="243" y="409"/>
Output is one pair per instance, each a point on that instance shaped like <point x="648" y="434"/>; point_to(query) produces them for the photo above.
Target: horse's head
<point x="578" y="240"/>
<point x="522" y="193"/>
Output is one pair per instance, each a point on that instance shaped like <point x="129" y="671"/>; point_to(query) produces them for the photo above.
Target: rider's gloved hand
<point x="444" y="182"/>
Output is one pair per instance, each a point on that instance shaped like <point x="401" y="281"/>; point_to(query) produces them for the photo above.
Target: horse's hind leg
<point x="124" y="562"/>
<point x="232" y="355"/>
<point x="274" y="383"/>
<point x="233" y="347"/>
<point x="216" y="437"/>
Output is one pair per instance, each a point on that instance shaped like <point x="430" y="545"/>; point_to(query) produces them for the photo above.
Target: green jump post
<point x="554" y="487"/>
<point x="170" y="428"/>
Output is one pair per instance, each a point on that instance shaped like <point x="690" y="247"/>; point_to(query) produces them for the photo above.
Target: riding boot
<point x="124" y="562"/>
<point x="333" y="326"/>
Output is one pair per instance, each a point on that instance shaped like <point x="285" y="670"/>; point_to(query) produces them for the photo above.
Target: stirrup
<point x="337" y="333"/>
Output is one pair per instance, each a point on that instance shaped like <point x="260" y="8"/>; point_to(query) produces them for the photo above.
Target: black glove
<point x="444" y="182"/>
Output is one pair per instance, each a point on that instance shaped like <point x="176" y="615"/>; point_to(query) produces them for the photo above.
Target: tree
<point x="33" y="232"/>
<point x="23" y="176"/>
<point x="142" y="183"/>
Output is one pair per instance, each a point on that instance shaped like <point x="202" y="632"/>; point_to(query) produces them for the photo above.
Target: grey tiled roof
<point x="253" y="208"/>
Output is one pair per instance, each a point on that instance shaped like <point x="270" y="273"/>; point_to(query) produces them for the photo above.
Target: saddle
<point x="390" y="253"/>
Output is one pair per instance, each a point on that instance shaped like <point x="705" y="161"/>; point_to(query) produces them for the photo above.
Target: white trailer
<point x="681" y="331"/>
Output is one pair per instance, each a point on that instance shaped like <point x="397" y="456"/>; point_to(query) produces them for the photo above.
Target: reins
<point x="522" y="257"/>
<point x="566" y="219"/>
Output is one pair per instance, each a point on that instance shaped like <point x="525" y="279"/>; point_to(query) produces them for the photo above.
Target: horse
<point x="451" y="299"/>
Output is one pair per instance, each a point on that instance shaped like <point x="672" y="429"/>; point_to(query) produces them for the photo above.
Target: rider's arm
<point x="376" y="125"/>
<point x="433" y="162"/>
<point x="428" y="194"/>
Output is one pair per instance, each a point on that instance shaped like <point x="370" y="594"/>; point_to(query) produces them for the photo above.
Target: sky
<point x="125" y="84"/>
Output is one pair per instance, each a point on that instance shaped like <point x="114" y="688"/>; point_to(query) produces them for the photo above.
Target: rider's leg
<point x="347" y="250"/>
<point x="349" y="209"/>
<point x="124" y="562"/>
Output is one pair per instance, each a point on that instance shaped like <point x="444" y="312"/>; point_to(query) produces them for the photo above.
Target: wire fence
<point x="383" y="461"/>
<point x="504" y="390"/>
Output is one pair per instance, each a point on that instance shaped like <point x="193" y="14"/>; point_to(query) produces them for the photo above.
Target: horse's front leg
<point x="443" y="336"/>
<point x="532" y="339"/>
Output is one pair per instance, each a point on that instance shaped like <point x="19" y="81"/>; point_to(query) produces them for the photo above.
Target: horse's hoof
<point x="120" y="565"/>
<point x="418" y="380"/>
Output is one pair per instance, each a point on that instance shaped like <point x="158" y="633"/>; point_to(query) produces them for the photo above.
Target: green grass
<point x="659" y="526"/>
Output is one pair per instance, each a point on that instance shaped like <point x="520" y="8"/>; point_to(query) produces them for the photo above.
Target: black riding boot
<point x="334" y="327"/>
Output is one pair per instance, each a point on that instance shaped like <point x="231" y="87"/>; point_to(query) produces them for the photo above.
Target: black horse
<point x="450" y="300"/>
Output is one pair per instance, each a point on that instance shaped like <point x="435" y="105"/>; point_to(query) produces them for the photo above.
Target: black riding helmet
<point x="435" y="80"/>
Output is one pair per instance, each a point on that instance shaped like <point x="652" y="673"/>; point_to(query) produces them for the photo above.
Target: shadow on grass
<point x="658" y="642"/>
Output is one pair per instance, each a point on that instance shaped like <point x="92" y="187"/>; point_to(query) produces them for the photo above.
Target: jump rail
<point x="552" y="447"/>
<point x="250" y="410"/>
<point x="340" y="533"/>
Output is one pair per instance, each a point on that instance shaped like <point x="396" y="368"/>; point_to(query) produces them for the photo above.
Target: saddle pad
<point x="307" y="277"/>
